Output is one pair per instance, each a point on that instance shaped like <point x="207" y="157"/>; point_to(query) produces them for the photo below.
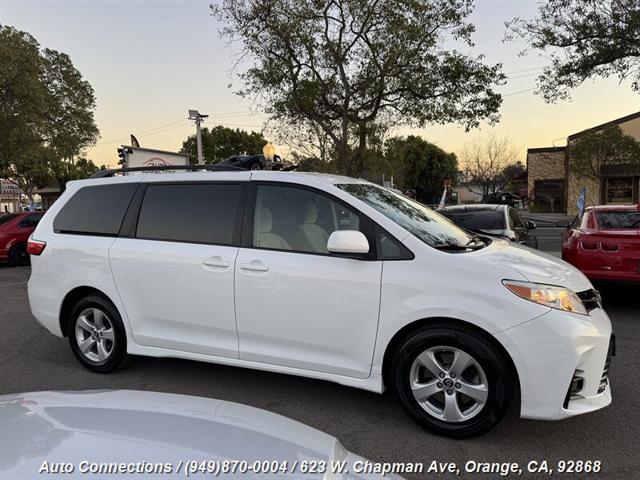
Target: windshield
<point x="619" y="220"/>
<point x="477" y="219"/>
<point x="429" y="226"/>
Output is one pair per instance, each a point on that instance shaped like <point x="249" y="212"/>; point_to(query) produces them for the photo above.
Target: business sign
<point x="147" y="157"/>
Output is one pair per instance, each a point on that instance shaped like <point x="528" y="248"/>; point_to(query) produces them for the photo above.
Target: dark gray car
<point x="501" y="221"/>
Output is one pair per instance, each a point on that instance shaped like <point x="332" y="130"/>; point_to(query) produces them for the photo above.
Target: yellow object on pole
<point x="269" y="151"/>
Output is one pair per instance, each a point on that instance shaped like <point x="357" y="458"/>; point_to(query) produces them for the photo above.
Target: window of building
<point x="619" y="190"/>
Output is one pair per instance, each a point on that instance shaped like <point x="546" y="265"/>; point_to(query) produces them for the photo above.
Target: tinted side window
<point x="389" y="248"/>
<point x="195" y="213"/>
<point x="97" y="210"/>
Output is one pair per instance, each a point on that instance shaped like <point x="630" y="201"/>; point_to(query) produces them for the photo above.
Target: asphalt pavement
<point x="371" y="425"/>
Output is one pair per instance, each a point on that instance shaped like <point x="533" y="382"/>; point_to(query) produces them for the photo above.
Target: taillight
<point x="35" y="247"/>
<point x="609" y="247"/>
<point x="587" y="245"/>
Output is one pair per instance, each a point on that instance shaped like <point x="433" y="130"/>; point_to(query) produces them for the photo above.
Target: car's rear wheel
<point x="96" y="334"/>
<point x="18" y="255"/>
<point x="452" y="381"/>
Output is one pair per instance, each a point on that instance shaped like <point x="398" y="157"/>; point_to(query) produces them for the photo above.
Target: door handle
<point x="216" y="262"/>
<point x="254" y="266"/>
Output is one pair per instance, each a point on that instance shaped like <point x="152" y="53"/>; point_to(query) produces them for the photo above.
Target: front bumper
<point x="549" y="351"/>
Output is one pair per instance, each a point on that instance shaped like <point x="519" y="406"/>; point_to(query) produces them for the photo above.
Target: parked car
<point x="604" y="243"/>
<point x="283" y="271"/>
<point x="500" y="221"/>
<point x="15" y="229"/>
<point x="253" y="162"/>
<point x="124" y="433"/>
<point x="503" y="198"/>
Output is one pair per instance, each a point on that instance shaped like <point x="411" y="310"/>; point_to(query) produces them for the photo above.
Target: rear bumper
<point x="613" y="276"/>
<point x="44" y="303"/>
<point x="549" y="351"/>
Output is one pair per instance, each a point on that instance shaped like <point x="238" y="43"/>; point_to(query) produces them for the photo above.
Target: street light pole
<point x="197" y="117"/>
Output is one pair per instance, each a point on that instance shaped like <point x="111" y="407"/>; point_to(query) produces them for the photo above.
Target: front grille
<point x="604" y="380"/>
<point x="591" y="299"/>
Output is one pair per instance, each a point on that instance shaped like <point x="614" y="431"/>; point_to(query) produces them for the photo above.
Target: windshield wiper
<point x="451" y="246"/>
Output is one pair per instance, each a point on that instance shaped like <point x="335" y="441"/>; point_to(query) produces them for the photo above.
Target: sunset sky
<point x="149" y="61"/>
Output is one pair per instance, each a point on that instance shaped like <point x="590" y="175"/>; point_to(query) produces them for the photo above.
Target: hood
<point x="536" y="266"/>
<point x="133" y="427"/>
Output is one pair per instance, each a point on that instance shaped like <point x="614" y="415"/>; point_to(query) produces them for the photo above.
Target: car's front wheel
<point x="97" y="335"/>
<point x="452" y="381"/>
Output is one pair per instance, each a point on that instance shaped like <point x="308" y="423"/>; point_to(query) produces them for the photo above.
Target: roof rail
<point x="160" y="168"/>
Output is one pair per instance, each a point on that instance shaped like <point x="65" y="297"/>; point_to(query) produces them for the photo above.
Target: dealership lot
<point x="371" y="425"/>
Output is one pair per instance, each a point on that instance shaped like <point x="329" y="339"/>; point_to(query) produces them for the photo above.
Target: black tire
<point x="491" y="360"/>
<point x="118" y="350"/>
<point x="18" y="256"/>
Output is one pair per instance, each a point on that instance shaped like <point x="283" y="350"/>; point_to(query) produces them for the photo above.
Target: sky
<point x="149" y="61"/>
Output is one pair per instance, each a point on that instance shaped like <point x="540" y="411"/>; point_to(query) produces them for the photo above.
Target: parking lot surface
<point x="370" y="425"/>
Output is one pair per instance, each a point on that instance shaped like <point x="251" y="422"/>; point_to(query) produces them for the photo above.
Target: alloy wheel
<point x="449" y="384"/>
<point x="95" y="335"/>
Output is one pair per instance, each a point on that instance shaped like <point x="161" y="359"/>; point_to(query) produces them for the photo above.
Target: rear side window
<point x="194" y="213"/>
<point x="7" y="218"/>
<point x="96" y="210"/>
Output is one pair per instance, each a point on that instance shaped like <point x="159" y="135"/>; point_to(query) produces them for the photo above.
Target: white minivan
<point x="321" y="276"/>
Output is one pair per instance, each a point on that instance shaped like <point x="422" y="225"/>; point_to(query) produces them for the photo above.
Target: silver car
<point x="501" y="221"/>
<point x="156" y="435"/>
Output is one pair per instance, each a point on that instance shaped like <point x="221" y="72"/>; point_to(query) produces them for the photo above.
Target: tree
<point x="349" y="65"/>
<point x="583" y="39"/>
<point x="46" y="111"/>
<point x="420" y="165"/>
<point x="490" y="164"/>
<point x="222" y="142"/>
<point x="595" y="149"/>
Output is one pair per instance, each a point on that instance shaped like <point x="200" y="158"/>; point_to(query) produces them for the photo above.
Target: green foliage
<point x="583" y="39"/>
<point x="347" y="65"/>
<point x="46" y="112"/>
<point x="222" y="142"/>
<point x="420" y="165"/>
<point x="595" y="149"/>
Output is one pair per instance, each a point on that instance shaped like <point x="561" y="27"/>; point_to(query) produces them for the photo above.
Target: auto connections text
<point x="214" y="468"/>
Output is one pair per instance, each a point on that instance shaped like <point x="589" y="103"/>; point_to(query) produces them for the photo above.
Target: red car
<point x="605" y="243"/>
<point x="15" y="229"/>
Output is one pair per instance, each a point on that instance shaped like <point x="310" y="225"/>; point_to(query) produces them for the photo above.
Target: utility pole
<point x="197" y="117"/>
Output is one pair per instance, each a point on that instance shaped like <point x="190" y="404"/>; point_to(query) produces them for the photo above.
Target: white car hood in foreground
<point x="132" y="426"/>
<point x="535" y="266"/>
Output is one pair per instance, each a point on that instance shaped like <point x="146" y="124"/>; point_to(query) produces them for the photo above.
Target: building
<point x="553" y="188"/>
<point x="9" y="196"/>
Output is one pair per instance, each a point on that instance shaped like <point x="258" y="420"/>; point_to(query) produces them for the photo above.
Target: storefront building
<point x="554" y="188"/>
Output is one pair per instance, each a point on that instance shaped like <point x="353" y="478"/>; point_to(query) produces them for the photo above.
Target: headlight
<point x="548" y="295"/>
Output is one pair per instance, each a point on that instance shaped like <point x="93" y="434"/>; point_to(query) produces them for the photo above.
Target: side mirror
<point x="348" y="242"/>
<point x="531" y="225"/>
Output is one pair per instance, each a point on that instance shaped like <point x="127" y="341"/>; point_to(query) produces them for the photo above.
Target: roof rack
<point x="160" y="168"/>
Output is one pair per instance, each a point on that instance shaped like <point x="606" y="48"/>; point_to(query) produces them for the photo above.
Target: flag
<point x="582" y="200"/>
<point x="443" y="199"/>
<point x="134" y="141"/>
